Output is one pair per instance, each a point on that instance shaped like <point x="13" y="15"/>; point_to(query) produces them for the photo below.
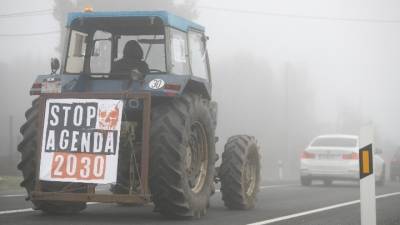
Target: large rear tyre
<point x="182" y="156"/>
<point x="240" y="172"/>
<point x="28" y="150"/>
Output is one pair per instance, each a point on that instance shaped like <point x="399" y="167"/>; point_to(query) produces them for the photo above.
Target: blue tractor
<point x="156" y="142"/>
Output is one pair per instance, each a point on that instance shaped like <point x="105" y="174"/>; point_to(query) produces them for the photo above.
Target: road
<point x="278" y="204"/>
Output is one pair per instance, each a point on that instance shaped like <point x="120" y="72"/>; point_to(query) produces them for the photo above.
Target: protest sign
<point x="80" y="140"/>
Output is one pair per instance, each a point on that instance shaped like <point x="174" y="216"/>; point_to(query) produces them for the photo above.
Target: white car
<point x="335" y="157"/>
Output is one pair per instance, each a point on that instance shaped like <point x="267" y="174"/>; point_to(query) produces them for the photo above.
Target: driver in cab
<point x="132" y="60"/>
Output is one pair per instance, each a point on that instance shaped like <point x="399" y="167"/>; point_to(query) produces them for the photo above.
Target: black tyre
<point x="28" y="150"/>
<point x="305" y="181"/>
<point x="182" y="156"/>
<point x="240" y="172"/>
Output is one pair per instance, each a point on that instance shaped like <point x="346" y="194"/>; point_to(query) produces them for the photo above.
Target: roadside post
<point x="367" y="176"/>
<point x="280" y="170"/>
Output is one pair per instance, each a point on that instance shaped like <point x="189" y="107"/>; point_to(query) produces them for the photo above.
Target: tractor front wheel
<point x="240" y="172"/>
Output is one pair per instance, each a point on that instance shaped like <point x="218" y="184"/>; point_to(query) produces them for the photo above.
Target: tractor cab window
<point x="76" y="52"/>
<point x="114" y="54"/>
<point x="149" y="50"/>
<point x="100" y="60"/>
<point x="198" y="55"/>
<point x="116" y="46"/>
<point x="179" y="60"/>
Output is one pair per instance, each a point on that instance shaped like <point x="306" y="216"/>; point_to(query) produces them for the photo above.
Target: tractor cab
<point x="96" y="42"/>
<point x="134" y="45"/>
<point x="143" y="51"/>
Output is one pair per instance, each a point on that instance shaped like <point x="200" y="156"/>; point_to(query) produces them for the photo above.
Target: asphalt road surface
<point x="278" y="204"/>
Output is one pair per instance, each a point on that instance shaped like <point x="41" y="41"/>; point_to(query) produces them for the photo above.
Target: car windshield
<point x="114" y="47"/>
<point x="334" y="142"/>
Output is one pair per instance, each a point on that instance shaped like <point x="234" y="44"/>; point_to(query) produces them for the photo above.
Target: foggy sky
<point x="352" y="65"/>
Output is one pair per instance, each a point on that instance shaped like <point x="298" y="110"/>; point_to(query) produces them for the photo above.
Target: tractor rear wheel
<point x="28" y="149"/>
<point x="182" y="156"/>
<point x="240" y="172"/>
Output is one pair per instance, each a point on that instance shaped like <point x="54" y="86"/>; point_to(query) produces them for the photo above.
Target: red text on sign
<point x="80" y="166"/>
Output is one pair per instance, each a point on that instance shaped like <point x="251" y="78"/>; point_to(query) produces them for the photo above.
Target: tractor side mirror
<point x="55" y="65"/>
<point x="205" y="38"/>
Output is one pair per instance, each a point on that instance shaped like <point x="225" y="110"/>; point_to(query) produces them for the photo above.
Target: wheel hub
<point x="250" y="175"/>
<point x="197" y="157"/>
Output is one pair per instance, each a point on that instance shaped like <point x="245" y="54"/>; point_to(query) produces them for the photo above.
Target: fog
<point x="283" y="71"/>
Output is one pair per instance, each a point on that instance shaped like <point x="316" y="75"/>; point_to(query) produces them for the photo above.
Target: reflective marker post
<point x="367" y="176"/>
<point x="280" y="170"/>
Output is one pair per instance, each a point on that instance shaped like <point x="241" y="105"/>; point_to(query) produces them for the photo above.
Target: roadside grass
<point x="10" y="183"/>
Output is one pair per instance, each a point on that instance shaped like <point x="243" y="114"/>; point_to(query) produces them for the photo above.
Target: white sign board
<point x="80" y="140"/>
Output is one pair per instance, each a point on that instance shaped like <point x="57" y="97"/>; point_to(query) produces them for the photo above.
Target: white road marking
<point x="318" y="210"/>
<point x="278" y="186"/>
<point x="93" y="203"/>
<point x="16" y="211"/>
<point x="30" y="209"/>
<point x="8" y="196"/>
<point x="271" y="186"/>
<point x="23" y="195"/>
